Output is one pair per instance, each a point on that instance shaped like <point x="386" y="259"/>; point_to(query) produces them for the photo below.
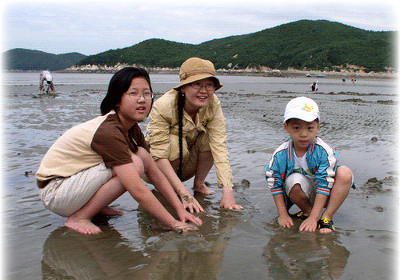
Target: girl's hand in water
<point x="185" y="216"/>
<point x="181" y="227"/>
<point x="189" y="202"/>
<point x="228" y="200"/>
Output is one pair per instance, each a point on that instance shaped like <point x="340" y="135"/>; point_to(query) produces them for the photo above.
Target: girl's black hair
<point x="119" y="84"/>
<point x="181" y="103"/>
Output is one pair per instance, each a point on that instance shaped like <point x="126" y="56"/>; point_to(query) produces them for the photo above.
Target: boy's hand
<point x="309" y="224"/>
<point x="285" y="221"/>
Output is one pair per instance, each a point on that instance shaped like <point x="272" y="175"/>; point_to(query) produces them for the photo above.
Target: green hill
<point x="153" y="52"/>
<point x="23" y="59"/>
<point x="305" y="43"/>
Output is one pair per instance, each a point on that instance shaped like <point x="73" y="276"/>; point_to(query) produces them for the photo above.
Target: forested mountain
<point x="23" y="59"/>
<point x="305" y="43"/>
<point x="302" y="44"/>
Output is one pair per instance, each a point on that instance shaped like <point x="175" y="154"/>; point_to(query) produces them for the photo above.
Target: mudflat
<point x="359" y="119"/>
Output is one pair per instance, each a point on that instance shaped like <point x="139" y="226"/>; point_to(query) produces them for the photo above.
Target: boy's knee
<point x="295" y="191"/>
<point x="344" y="175"/>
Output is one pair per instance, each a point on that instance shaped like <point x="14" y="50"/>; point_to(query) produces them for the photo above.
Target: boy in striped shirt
<point x="304" y="171"/>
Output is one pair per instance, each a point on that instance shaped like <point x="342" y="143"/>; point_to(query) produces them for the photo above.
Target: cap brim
<point x="304" y="116"/>
<point x="198" y="77"/>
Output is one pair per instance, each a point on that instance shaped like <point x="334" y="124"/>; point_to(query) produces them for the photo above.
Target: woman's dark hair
<point x="119" y="84"/>
<point x="181" y="103"/>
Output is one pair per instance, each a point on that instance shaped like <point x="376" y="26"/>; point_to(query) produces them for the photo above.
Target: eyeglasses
<point x="136" y="95"/>
<point x="197" y="86"/>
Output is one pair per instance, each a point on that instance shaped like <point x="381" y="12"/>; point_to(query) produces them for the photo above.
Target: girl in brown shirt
<point x="94" y="163"/>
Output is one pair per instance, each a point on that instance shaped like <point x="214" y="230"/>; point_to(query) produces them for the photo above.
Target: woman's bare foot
<point x="203" y="189"/>
<point x="82" y="226"/>
<point x="109" y="211"/>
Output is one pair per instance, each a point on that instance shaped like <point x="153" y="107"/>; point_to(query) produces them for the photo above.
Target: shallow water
<point x="359" y="119"/>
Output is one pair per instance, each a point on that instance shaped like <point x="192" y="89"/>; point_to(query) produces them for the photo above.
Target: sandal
<point x="325" y="223"/>
<point x="299" y="215"/>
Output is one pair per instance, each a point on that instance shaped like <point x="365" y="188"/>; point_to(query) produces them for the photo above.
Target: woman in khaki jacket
<point x="186" y="134"/>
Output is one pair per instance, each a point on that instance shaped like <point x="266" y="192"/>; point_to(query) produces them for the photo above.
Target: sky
<point x="90" y="27"/>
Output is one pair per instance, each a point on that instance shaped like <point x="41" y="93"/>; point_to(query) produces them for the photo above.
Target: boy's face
<point x="302" y="133"/>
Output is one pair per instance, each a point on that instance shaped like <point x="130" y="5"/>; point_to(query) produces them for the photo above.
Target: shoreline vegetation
<point x="342" y="73"/>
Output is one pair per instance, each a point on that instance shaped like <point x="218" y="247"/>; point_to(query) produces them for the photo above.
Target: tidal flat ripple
<point x="359" y="120"/>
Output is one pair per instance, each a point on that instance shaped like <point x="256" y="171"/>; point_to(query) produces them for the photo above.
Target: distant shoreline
<point x="314" y="74"/>
<point x="292" y="73"/>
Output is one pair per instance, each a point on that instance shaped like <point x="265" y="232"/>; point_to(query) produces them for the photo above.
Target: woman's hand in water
<point x="228" y="200"/>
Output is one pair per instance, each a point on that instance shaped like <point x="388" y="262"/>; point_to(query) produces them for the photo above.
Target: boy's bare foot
<point x="203" y="189"/>
<point x="109" y="211"/>
<point x="82" y="226"/>
<point x="325" y="231"/>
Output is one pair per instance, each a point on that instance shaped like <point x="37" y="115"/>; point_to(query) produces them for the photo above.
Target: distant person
<point x="187" y="136"/>
<point x="46" y="78"/>
<point x="304" y="171"/>
<point x="353" y="80"/>
<point x="314" y="86"/>
<point x="95" y="162"/>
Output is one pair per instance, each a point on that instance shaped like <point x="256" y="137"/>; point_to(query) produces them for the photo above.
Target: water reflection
<point x="69" y="255"/>
<point x="293" y="255"/>
<point x="161" y="255"/>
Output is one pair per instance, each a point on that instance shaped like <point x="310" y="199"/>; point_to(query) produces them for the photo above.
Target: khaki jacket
<point x="210" y="120"/>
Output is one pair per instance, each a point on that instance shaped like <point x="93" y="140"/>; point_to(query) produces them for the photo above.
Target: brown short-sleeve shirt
<point x="101" y="139"/>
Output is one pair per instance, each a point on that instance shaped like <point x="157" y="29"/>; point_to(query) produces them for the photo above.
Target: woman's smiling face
<point x="198" y="94"/>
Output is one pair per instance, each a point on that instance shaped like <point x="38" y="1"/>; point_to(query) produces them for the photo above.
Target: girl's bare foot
<point x="82" y="226"/>
<point x="109" y="211"/>
<point x="203" y="189"/>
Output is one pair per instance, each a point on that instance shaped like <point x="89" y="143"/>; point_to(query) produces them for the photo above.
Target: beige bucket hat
<point x="196" y="69"/>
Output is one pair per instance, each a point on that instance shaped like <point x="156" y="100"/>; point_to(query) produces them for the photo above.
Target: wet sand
<point x="359" y="120"/>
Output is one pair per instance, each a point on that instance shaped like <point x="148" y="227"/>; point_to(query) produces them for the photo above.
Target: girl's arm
<point x="161" y="183"/>
<point x="188" y="200"/>
<point x="131" y="180"/>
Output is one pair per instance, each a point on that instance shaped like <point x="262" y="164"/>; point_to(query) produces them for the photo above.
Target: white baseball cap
<point x="302" y="108"/>
<point x="49" y="78"/>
